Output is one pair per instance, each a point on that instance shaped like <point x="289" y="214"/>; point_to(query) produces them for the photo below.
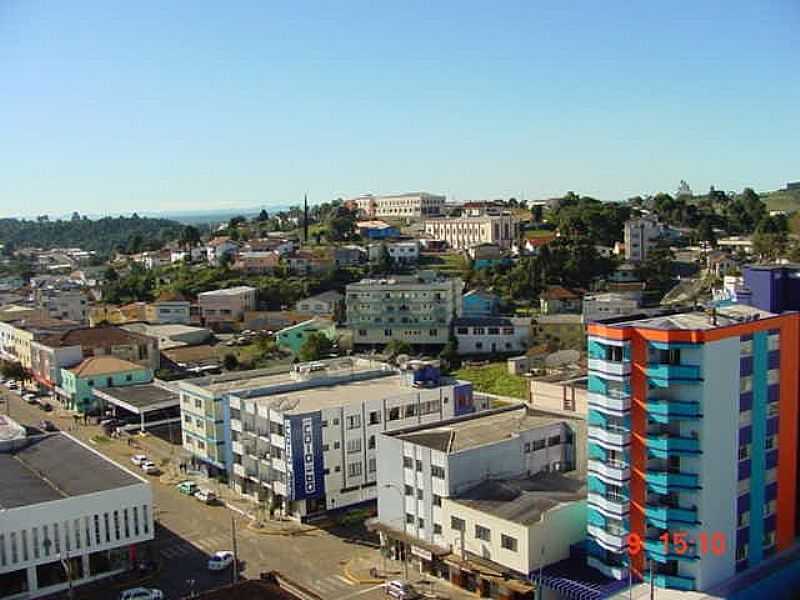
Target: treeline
<point x="100" y="235"/>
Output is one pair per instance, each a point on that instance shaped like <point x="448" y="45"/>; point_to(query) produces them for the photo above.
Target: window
<point x="437" y="529"/>
<point x="493" y="331"/>
<point x="483" y="533"/>
<point x="772" y="409"/>
<point x="478" y="331"/>
<point x="325" y="447"/>
<point x="354" y="421"/>
<point x="437" y="472"/>
<point x="770" y="507"/>
<point x="461" y="330"/>
<point x="336" y="445"/>
<point x="125" y="522"/>
<point x="145" y="519"/>
<point x="387" y="332"/>
<point x="420" y="495"/>
<point x="554" y="440"/>
<point x="409" y="491"/>
<point x="374" y="417"/>
<point x="371" y="465"/>
<point x="526" y="447"/>
<point x="371" y="442"/>
<point x="354" y="469"/>
<point x="741" y="552"/>
<point x="457" y="524"/>
<point x="746" y="384"/>
<point x="538" y="445"/>
<point x="769" y="538"/>
<point x="336" y="421"/>
<point x="769" y="442"/>
<point x="773" y="342"/>
<point x="136" y="520"/>
<point x="773" y="377"/>
<point x="508" y="542"/>
<point x="437" y="500"/>
<point x="421" y="523"/>
<point x="354" y="446"/>
<point x="96" y="529"/>
<point x="743" y="519"/>
<point x="411" y="410"/>
<point x="744" y="452"/>
<point x="408" y="462"/>
<point x="419" y="466"/>
<point x="747" y="347"/>
<point x="394" y="413"/>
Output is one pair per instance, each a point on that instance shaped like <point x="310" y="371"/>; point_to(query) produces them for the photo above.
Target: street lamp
<point x="402" y="495"/>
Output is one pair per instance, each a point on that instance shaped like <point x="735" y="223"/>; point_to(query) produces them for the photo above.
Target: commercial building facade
<point x="223" y="308"/>
<point x="413" y="205"/>
<point x="462" y="233"/>
<point x="417" y="309"/>
<point x="692" y="430"/>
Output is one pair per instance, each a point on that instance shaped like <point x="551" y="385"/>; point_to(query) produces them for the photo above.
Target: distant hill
<point x="786" y="200"/>
<point x="101" y="235"/>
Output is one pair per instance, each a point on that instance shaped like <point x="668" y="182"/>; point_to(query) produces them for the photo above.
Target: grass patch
<point x="495" y="379"/>
<point x="100" y="439"/>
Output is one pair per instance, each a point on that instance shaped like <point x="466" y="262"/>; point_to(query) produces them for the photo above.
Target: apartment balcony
<point x="610" y="470"/>
<point x="616" y="437"/>
<point x="664" y="445"/>
<point x="662" y="410"/>
<point x="618" y="402"/>
<point x="674" y="373"/>
<point x="237" y="448"/>
<point x="610" y="367"/>
<point x="670" y="517"/>
<point x="610" y="504"/>
<point x="613" y="541"/>
<point x="617" y="572"/>
<point x="675" y="582"/>
<point x="238" y="470"/>
<point x="659" y="552"/>
<point x="236" y="425"/>
<point x="663" y="482"/>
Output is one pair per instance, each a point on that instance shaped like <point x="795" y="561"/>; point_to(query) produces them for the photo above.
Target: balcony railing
<point x="675" y="582"/>
<point x="613" y="540"/>
<point x="670" y="517"/>
<point x="610" y="399"/>
<point x="610" y="367"/>
<point x="610" y="469"/>
<point x="610" y="504"/>
<point x="677" y="373"/>
<point x="663" y="482"/>
<point x="664" y="445"/>
<point x="662" y="410"/>
<point x="609" y="434"/>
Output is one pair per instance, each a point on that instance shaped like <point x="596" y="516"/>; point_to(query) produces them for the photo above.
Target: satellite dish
<point x="402" y="360"/>
<point x="562" y="358"/>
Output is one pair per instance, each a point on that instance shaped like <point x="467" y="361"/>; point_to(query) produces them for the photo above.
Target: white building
<point x="64" y="505"/>
<point x="604" y="306"/>
<point x="415" y="205"/>
<point x="304" y="442"/>
<point x="641" y="236"/>
<point x="218" y="247"/>
<point x="402" y="252"/>
<point x="321" y="304"/>
<point x="193" y="255"/>
<point x="464" y="232"/>
<point x="427" y="478"/>
<point x="490" y="335"/>
<point x="68" y="303"/>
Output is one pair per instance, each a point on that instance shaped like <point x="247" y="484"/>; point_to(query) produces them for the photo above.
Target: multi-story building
<point x="774" y="288"/>
<point x="418" y="309"/>
<point x="65" y="506"/>
<point x="223" y="308"/>
<point x="97" y="372"/>
<point x="434" y="479"/>
<point x="692" y="443"/>
<point x="414" y="205"/>
<point x="257" y="262"/>
<point x="401" y="252"/>
<point x="18" y="336"/>
<point x="68" y="303"/>
<point x="52" y="353"/>
<point x="304" y="441"/>
<point x="168" y="312"/>
<point x="464" y="232"/>
<point x="641" y="236"/>
<point x="492" y="335"/>
<point x="322" y="304"/>
<point x="605" y="306"/>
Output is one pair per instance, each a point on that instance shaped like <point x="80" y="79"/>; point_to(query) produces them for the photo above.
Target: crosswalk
<point x="208" y="544"/>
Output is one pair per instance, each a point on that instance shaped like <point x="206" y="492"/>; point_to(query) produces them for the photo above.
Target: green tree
<point x="342" y="224"/>
<point x="705" y="232"/>
<point x="656" y="270"/>
<point x="230" y="362"/>
<point x="449" y="354"/>
<point x="317" y="346"/>
<point x="397" y="347"/>
<point x="190" y="237"/>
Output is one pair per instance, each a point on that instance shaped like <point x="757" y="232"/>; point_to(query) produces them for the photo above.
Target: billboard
<point x="304" y="462"/>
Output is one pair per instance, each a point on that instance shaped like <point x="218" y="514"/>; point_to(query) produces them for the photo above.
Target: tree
<point x="383" y="263"/>
<point x="342" y="224"/>
<point x="317" y="346"/>
<point x="656" y="269"/>
<point x="397" y="347"/>
<point x="705" y="232"/>
<point x="190" y="237"/>
<point x="110" y="275"/>
<point x="263" y="216"/>
<point x="230" y="362"/>
<point x="449" y="354"/>
<point x="14" y="371"/>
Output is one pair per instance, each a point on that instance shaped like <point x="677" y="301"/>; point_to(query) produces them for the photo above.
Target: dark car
<point x="47" y="426"/>
<point x="46" y="406"/>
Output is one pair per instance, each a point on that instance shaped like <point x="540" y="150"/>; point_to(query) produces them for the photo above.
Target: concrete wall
<point x="555" y="396"/>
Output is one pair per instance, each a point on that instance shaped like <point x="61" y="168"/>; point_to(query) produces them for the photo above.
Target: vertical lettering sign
<point x="304" y="477"/>
<point x="308" y="456"/>
<point x="287" y="442"/>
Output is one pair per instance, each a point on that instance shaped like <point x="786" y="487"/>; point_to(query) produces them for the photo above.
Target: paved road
<point x="190" y="531"/>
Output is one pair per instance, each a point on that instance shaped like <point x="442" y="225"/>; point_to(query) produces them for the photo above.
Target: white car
<point x="141" y="593"/>
<point x="150" y="468"/>
<point x="205" y="496"/>
<point x="139" y="459"/>
<point x="30" y="398"/>
<point x="220" y="560"/>
<point x="401" y="590"/>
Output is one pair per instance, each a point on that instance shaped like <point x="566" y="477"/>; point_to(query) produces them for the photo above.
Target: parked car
<point x="401" y="590"/>
<point x="150" y="468"/>
<point x="46" y="406"/>
<point x="139" y="459"/>
<point x="30" y="398"/>
<point x="45" y="425"/>
<point x="187" y="487"/>
<point x="220" y="560"/>
<point x="205" y="496"/>
<point x="141" y="593"/>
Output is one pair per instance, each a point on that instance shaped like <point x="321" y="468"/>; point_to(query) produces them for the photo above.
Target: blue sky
<point x="109" y="107"/>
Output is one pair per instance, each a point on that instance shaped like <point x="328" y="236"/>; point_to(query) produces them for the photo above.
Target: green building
<point x="293" y="337"/>
<point x="78" y="382"/>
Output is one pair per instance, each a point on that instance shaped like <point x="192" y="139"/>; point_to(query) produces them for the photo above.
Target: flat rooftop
<point x="524" y="500"/>
<point x="698" y="320"/>
<point x="56" y="466"/>
<point x="479" y="429"/>
<point x="232" y="291"/>
<point x="140" y="398"/>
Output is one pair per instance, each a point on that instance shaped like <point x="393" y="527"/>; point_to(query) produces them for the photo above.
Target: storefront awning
<point x="422" y="546"/>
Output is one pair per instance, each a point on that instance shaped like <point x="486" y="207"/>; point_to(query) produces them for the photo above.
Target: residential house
<point x="349" y="256"/>
<point x="97" y="372"/>
<point x="223" y="308"/>
<point x="607" y="305"/>
<point x="558" y="299"/>
<point x="492" y="335"/>
<point x="307" y="263"/>
<point x="218" y="247"/>
<point x="487" y="255"/>
<point x="256" y="263"/>
<point x="195" y="254"/>
<point x="401" y="252"/>
<point x="17" y="336"/>
<point x="721" y="263"/>
<point x="325" y="303"/>
<point x="480" y="303"/>
<point x="165" y="311"/>
<point x="293" y="337"/>
<point x="376" y="230"/>
<point x="63" y="302"/>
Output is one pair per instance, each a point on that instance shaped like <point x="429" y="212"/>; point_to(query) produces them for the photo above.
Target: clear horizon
<point x="118" y="108"/>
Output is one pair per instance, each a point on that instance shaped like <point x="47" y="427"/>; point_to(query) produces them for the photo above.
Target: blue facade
<point x="480" y="304"/>
<point x="772" y="288"/>
<point x="305" y="476"/>
<point x="376" y="233"/>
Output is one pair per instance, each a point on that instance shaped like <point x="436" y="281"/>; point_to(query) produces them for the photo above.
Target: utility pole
<point x="652" y="582"/>
<point x="305" y="219"/>
<point x="235" y="552"/>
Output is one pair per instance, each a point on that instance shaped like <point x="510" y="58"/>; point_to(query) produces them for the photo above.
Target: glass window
<point x="409" y="519"/>
<point x="145" y="519"/>
<point x="747" y="347"/>
<point x="419" y="466"/>
<point x="408" y="462"/>
<point x="508" y="542"/>
<point x="746" y="383"/>
<point x="409" y="491"/>
<point x="437" y="528"/>
<point x="457" y="524"/>
<point x="483" y="533"/>
<point x="437" y="472"/>
<point x="773" y="377"/>
<point x="136" y="520"/>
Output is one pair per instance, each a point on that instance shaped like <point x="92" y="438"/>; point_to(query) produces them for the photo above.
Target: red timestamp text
<point x="681" y="543"/>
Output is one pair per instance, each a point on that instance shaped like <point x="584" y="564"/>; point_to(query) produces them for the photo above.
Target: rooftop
<point x="95" y="336"/>
<point x="56" y="466"/>
<point x="140" y="398"/>
<point x="523" y="500"/>
<point x="558" y="292"/>
<point x="103" y="365"/>
<point x="479" y="429"/>
<point x="315" y="323"/>
<point x="697" y="320"/>
<point x="232" y="291"/>
<point x="329" y="296"/>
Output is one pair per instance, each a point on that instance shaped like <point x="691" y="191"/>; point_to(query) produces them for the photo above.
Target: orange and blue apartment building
<point x="692" y="443"/>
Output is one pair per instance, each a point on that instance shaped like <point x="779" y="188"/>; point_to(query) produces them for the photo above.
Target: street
<point x="189" y="532"/>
